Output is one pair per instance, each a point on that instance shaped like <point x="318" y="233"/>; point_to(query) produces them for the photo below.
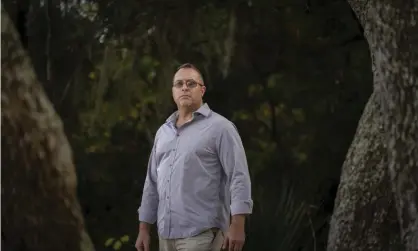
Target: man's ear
<point x="203" y="90"/>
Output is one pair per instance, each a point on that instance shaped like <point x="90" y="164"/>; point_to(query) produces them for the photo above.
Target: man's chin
<point x="185" y="103"/>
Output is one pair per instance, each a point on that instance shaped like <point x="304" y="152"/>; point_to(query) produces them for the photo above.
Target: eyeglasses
<point x="190" y="83"/>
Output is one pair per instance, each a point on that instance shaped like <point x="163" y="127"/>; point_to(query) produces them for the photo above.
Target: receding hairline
<point x="193" y="67"/>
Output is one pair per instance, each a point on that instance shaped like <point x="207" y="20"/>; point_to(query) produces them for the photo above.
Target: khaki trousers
<point x="209" y="240"/>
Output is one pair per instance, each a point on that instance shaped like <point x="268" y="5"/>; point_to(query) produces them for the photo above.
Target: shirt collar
<point x="204" y="110"/>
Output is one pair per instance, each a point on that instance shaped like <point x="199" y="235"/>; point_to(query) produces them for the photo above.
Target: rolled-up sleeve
<point x="147" y="212"/>
<point x="234" y="162"/>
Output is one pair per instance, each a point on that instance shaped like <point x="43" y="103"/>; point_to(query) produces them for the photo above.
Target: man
<point x="197" y="176"/>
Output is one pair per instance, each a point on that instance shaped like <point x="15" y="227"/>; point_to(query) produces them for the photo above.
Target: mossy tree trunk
<point x="377" y="201"/>
<point x="40" y="209"/>
<point x="364" y="202"/>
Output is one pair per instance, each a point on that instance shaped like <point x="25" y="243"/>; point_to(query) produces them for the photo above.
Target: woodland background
<point x="294" y="76"/>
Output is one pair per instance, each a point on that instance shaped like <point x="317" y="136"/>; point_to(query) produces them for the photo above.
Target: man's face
<point x="188" y="89"/>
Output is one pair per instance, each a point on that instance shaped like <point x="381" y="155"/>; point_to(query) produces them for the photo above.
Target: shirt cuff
<point x="241" y="207"/>
<point x="146" y="216"/>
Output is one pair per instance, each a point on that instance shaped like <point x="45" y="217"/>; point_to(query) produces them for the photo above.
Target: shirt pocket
<point x="163" y="150"/>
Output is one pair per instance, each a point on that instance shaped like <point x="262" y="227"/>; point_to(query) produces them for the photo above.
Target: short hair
<point x="191" y="66"/>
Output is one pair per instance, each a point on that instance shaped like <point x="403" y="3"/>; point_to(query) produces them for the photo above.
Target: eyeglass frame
<point x="186" y="81"/>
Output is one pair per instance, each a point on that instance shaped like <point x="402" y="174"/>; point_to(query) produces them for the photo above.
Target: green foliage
<point x="286" y="220"/>
<point x="116" y="244"/>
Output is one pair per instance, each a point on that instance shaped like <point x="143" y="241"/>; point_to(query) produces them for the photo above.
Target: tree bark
<point x="40" y="209"/>
<point x="364" y="203"/>
<point x="396" y="60"/>
<point x="390" y="27"/>
<point x="392" y="33"/>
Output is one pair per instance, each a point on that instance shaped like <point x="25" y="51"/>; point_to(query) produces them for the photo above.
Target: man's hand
<point x="235" y="238"/>
<point x="143" y="240"/>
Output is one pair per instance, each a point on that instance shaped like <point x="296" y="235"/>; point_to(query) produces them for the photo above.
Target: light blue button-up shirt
<point x="197" y="176"/>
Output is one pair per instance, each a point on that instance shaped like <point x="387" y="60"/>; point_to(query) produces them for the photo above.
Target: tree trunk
<point x="396" y="58"/>
<point x="40" y="209"/>
<point x="364" y="203"/>
<point x="391" y="30"/>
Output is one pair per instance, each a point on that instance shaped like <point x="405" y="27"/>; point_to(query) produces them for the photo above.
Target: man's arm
<point x="147" y="212"/>
<point x="234" y="161"/>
